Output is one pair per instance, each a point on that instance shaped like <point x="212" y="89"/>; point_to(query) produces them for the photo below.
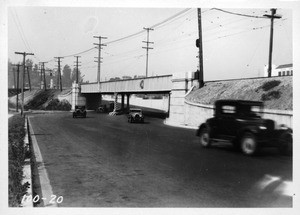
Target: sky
<point x="234" y="46"/>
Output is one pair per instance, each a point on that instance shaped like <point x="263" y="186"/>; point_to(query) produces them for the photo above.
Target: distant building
<point x="126" y="77"/>
<point x="114" y="79"/>
<point x="284" y="70"/>
<point x="266" y="70"/>
<point x="139" y="76"/>
<point x="281" y="70"/>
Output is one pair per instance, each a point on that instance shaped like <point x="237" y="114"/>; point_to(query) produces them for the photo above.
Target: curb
<point x="46" y="189"/>
<point x="27" y="171"/>
<point x="166" y="122"/>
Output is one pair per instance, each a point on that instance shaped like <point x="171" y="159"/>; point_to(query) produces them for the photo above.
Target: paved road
<point x="103" y="161"/>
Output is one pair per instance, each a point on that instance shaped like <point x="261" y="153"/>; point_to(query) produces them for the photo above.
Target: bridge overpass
<point x="157" y="84"/>
<point x="176" y="86"/>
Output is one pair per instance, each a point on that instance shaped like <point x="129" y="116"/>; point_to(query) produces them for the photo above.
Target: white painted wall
<point x="196" y="114"/>
<point x="160" y="104"/>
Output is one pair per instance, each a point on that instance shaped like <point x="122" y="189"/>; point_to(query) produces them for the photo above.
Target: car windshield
<point x="135" y="111"/>
<point x="251" y="110"/>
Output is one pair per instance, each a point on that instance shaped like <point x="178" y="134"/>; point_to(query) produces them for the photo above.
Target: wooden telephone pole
<point x="22" y="79"/>
<point x="99" y="46"/>
<point x="17" y="98"/>
<point x="59" y="73"/>
<point x="77" y="68"/>
<point x="272" y="17"/>
<point x="147" y="48"/>
<point x="43" y="75"/>
<point x="28" y="75"/>
<point x="199" y="45"/>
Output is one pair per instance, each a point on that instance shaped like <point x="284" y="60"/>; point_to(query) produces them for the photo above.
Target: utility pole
<point x="17" y="99"/>
<point x="14" y="78"/>
<point x="272" y="17"/>
<point x="28" y="75"/>
<point x="43" y="75"/>
<point x="22" y="79"/>
<point x="59" y="73"/>
<point x="77" y="68"/>
<point x="99" y="46"/>
<point x="199" y="45"/>
<point x="147" y="48"/>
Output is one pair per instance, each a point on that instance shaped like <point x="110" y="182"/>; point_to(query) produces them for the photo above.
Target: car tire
<point x="249" y="144"/>
<point x="204" y="138"/>
<point x="286" y="144"/>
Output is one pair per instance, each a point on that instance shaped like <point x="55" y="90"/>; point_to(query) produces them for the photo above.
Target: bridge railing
<point x="151" y="84"/>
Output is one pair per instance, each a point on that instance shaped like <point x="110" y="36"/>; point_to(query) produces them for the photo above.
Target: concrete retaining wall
<point x="195" y="114"/>
<point x="186" y="113"/>
<point x="67" y="96"/>
<point x="160" y="104"/>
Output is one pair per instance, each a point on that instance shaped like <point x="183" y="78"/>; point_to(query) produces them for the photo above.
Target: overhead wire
<point x="240" y="14"/>
<point x="129" y="36"/>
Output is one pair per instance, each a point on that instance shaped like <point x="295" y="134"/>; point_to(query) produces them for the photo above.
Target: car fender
<point x="283" y="131"/>
<point x="203" y="125"/>
<point x="251" y="129"/>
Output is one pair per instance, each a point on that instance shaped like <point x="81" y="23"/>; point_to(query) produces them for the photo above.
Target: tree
<point x="66" y="77"/>
<point x="73" y="77"/>
<point x="12" y="75"/>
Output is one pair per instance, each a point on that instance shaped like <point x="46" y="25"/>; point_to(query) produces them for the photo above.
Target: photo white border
<point x="288" y="4"/>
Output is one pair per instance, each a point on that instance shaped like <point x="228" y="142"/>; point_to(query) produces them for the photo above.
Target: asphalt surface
<point x="104" y="161"/>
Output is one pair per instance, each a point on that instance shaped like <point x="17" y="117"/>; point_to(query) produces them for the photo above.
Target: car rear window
<point x="228" y="109"/>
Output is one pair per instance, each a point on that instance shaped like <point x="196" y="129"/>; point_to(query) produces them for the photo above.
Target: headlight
<point x="262" y="127"/>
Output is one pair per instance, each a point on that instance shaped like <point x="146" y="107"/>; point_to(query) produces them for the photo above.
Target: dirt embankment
<point x="275" y="92"/>
<point x="37" y="99"/>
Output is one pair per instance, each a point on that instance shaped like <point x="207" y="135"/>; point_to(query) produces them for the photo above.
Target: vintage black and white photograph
<point x="149" y="106"/>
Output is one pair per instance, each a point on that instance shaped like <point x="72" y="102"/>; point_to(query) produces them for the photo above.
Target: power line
<point x="239" y="14"/>
<point x="21" y="31"/>
<point x="131" y="35"/>
<point x="170" y="18"/>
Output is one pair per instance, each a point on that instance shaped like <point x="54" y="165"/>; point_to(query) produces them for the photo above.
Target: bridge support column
<point x="75" y="92"/>
<point x="128" y="96"/>
<point x="122" y="101"/>
<point x="115" y="102"/>
<point x="180" y="86"/>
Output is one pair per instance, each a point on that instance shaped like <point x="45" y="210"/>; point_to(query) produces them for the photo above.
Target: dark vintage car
<point x="102" y="109"/>
<point x="240" y="122"/>
<point x="80" y="111"/>
<point x="135" y="115"/>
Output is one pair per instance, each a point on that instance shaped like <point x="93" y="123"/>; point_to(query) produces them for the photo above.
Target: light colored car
<point x="135" y="115"/>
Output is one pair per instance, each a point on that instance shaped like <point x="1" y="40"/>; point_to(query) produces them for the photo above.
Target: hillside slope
<point x="275" y="92"/>
<point x="37" y="99"/>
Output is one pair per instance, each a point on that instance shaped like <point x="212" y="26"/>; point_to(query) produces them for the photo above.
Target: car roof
<point x="236" y="102"/>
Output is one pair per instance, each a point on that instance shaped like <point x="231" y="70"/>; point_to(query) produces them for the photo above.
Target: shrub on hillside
<point x="16" y="157"/>
<point x="270" y="85"/>
<point x="55" y="104"/>
<point x="11" y="105"/>
<point x="52" y="105"/>
<point x="64" y="105"/>
<point x="271" y="95"/>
